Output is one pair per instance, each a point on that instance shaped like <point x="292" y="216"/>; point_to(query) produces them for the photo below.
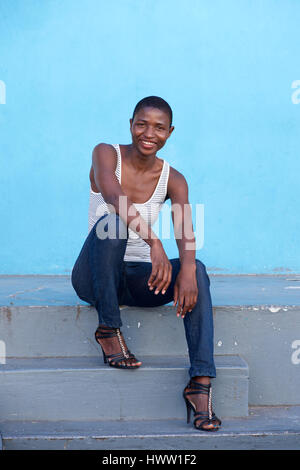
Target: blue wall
<point x="71" y="73"/>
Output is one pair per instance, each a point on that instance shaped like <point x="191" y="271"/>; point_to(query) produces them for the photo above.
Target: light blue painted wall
<point x="71" y="73"/>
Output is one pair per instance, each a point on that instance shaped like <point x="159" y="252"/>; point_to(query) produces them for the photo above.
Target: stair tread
<point x="261" y="420"/>
<point x="231" y="289"/>
<point x="227" y="362"/>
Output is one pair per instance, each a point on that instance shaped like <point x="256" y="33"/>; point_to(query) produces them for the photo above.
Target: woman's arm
<point x="186" y="290"/>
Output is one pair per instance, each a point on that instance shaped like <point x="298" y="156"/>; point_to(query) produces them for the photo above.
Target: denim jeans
<point x="102" y="278"/>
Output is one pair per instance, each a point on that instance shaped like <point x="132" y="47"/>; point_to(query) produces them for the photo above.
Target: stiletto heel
<point x="104" y="356"/>
<point x="188" y="410"/>
<point x="205" y="418"/>
<point x="114" y="360"/>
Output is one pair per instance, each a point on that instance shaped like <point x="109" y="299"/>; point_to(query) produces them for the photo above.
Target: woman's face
<point x="150" y="129"/>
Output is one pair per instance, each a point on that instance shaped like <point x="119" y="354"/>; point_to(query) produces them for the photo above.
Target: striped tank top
<point x="136" y="249"/>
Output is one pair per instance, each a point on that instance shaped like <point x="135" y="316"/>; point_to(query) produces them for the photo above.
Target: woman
<point x="123" y="261"/>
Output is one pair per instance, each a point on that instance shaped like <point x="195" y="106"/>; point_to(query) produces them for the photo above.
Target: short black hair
<point x="154" y="102"/>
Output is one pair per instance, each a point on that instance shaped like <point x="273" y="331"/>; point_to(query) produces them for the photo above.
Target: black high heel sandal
<point x="114" y="360"/>
<point x="205" y="418"/>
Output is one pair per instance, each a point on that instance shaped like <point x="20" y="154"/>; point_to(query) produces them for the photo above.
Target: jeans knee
<point x="200" y="265"/>
<point x="201" y="270"/>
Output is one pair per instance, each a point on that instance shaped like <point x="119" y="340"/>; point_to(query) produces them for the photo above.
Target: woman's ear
<point x="171" y="130"/>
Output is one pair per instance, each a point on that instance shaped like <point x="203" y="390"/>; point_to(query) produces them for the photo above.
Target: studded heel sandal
<point x="202" y="418"/>
<point x="114" y="360"/>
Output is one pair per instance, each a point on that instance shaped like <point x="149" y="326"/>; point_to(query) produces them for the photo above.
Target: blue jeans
<point x="102" y="278"/>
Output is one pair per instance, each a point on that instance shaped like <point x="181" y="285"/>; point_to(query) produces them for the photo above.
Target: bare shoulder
<point x="102" y="172"/>
<point x="177" y="185"/>
<point x="104" y="155"/>
<point x="176" y="177"/>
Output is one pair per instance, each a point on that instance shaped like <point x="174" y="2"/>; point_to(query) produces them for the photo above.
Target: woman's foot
<point x="200" y="403"/>
<point x="112" y="342"/>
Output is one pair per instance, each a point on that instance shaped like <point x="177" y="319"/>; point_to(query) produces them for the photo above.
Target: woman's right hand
<point x="161" y="274"/>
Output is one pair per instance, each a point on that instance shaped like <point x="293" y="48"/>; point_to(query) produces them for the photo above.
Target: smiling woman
<point x="123" y="262"/>
<point x="150" y="128"/>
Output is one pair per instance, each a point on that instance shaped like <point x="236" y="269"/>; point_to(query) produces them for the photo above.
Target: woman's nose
<point x="149" y="132"/>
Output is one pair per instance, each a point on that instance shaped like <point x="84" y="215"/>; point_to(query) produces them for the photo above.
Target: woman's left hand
<point x="185" y="290"/>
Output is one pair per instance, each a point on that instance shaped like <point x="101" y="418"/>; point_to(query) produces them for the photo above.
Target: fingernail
<point x="163" y="292"/>
<point x="156" y="292"/>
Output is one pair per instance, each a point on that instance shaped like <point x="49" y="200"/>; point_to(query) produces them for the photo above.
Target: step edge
<point x="240" y="366"/>
<point x="149" y="436"/>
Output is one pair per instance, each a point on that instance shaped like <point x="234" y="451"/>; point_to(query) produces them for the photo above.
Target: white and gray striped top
<point x="137" y="249"/>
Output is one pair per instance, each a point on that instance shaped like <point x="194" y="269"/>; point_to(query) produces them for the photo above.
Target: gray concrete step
<point x="256" y="317"/>
<point x="52" y="331"/>
<point x="267" y="337"/>
<point x="41" y="331"/>
<point x="266" y="428"/>
<point x="84" y="389"/>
